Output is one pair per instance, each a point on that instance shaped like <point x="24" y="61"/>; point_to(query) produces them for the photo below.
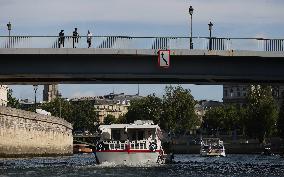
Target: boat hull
<point x="127" y="157"/>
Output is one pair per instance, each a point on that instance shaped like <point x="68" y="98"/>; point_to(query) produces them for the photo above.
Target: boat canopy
<point x="128" y="126"/>
<point x="138" y="124"/>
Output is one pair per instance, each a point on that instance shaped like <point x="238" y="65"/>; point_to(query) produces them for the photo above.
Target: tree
<point x="280" y="121"/>
<point x="225" y="118"/>
<point x="121" y="119"/>
<point x="178" y="110"/>
<point x="59" y="107"/>
<point x="147" y="108"/>
<point x="80" y="114"/>
<point x="12" y="101"/>
<point x="261" y="112"/>
<point x="84" y="115"/>
<point x="212" y="119"/>
<point x="109" y="119"/>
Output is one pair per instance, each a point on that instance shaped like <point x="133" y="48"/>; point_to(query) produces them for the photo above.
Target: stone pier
<point x="24" y="133"/>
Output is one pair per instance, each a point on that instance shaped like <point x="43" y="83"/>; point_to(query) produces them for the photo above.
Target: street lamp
<point x="9" y="26"/>
<point x="35" y="89"/>
<point x="190" y="10"/>
<point x="210" y="39"/>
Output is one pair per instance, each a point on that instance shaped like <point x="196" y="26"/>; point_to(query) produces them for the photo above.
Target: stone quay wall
<point x="25" y="134"/>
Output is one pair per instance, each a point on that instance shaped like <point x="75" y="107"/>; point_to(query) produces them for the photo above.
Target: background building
<point x="3" y="95"/>
<point x="50" y="92"/>
<point x="236" y="94"/>
<point x="111" y="104"/>
<point x="109" y="107"/>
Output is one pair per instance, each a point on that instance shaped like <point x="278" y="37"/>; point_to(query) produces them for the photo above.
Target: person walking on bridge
<point x="75" y="37"/>
<point x="89" y="38"/>
<point x="61" y="39"/>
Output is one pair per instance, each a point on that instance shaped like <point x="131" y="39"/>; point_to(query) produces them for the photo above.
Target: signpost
<point x="164" y="58"/>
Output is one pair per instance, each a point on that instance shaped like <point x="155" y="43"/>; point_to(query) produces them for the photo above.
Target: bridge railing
<point x="128" y="42"/>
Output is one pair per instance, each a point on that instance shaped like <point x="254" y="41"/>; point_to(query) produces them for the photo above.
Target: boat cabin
<point x="138" y="135"/>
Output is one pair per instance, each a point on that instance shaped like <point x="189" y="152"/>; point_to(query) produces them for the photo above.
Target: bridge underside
<point x="133" y="68"/>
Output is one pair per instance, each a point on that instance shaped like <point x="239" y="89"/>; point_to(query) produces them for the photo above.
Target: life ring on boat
<point x="100" y="146"/>
<point x="153" y="146"/>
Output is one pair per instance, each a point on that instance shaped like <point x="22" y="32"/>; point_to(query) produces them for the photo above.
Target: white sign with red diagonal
<point x="164" y="58"/>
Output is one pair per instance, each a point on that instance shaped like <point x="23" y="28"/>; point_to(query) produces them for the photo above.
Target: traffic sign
<point x="164" y="58"/>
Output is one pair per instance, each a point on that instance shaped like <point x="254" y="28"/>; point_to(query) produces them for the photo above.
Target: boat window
<point x="115" y="134"/>
<point x="140" y="135"/>
<point x="133" y="137"/>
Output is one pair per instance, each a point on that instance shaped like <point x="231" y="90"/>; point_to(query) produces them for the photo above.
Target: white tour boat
<point x="212" y="147"/>
<point x="135" y="143"/>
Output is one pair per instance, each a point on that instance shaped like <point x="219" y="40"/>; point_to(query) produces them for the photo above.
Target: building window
<point x="231" y="93"/>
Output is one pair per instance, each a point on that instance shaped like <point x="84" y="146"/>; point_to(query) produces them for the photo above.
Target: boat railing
<point x="141" y="145"/>
<point x="122" y="145"/>
<point x="116" y="145"/>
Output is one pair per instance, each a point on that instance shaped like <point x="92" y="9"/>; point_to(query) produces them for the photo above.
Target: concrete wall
<point x="25" y="133"/>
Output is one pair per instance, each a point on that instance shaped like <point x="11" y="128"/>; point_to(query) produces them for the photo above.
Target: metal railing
<point x="118" y="145"/>
<point x="127" y="42"/>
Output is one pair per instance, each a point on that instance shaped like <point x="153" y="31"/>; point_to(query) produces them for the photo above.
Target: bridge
<point x="124" y="59"/>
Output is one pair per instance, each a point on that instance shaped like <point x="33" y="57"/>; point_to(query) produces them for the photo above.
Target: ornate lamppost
<point x="9" y="26"/>
<point x="35" y="90"/>
<point x="210" y="35"/>
<point x="190" y="10"/>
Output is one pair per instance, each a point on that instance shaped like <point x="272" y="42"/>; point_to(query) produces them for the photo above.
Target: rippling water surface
<point x="185" y="165"/>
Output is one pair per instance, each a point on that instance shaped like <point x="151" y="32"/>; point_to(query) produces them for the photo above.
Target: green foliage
<point x="226" y="118"/>
<point x="280" y="121"/>
<point x="261" y="112"/>
<point x="81" y="114"/>
<point x="175" y="112"/>
<point x="147" y="108"/>
<point x="121" y="120"/>
<point x="57" y="106"/>
<point x="84" y="115"/>
<point x="213" y="118"/>
<point x="178" y="110"/>
<point x="109" y="119"/>
<point x="12" y="101"/>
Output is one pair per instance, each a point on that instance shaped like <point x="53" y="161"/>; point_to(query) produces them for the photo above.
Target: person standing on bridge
<point x="61" y="39"/>
<point x="75" y="37"/>
<point x="89" y="38"/>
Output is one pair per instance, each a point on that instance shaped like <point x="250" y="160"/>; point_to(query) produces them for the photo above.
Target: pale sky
<point x="231" y="18"/>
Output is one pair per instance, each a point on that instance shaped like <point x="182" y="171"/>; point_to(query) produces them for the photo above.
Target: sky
<point x="231" y="18"/>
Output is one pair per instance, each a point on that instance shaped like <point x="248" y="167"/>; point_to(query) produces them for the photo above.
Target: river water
<point x="185" y="165"/>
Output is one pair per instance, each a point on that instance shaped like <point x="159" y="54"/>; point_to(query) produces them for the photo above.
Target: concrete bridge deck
<point x="68" y="65"/>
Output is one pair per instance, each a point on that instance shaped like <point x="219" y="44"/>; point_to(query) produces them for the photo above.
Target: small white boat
<point x="267" y="151"/>
<point x="212" y="147"/>
<point x="136" y="143"/>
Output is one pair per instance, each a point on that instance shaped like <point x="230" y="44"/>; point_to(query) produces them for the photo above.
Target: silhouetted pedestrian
<point x="89" y="38"/>
<point x="61" y="39"/>
<point x="75" y="37"/>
